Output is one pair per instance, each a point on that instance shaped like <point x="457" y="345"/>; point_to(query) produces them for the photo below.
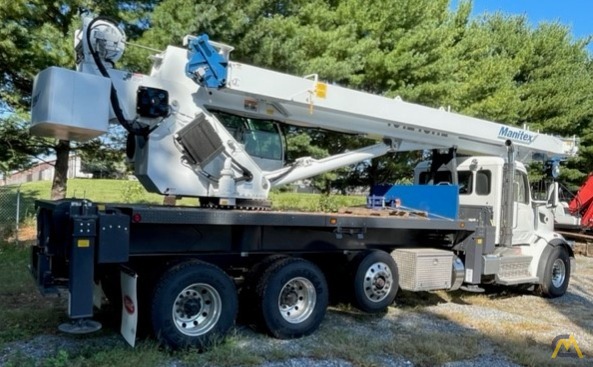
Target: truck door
<point x="523" y="216"/>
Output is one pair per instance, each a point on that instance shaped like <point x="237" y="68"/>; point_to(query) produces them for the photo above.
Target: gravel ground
<point x="456" y="317"/>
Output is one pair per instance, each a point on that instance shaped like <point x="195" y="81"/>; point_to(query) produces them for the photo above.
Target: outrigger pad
<point x="80" y="326"/>
<point x="199" y="141"/>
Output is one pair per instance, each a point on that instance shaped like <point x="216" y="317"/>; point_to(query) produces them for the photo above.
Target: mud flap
<point x="129" y="312"/>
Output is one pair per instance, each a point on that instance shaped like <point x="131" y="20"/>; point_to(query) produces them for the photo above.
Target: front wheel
<point x="293" y="295"/>
<point x="194" y="304"/>
<point x="556" y="273"/>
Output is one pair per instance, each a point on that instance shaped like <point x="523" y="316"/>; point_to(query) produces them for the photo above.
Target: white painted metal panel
<point x="69" y="105"/>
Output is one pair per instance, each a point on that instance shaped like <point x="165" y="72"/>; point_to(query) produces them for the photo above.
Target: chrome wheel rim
<point x="297" y="300"/>
<point x="558" y="273"/>
<point x="196" y="309"/>
<point x="378" y="282"/>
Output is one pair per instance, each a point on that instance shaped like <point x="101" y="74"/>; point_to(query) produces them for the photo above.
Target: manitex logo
<point x="518" y="135"/>
<point x="563" y="344"/>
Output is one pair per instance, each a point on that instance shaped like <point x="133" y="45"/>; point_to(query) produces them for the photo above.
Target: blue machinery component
<point x="206" y="66"/>
<point x="441" y="201"/>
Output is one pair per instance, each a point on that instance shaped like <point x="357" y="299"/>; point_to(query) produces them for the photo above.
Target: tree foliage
<point x="539" y="78"/>
<point x="33" y="36"/>
<point x="496" y="67"/>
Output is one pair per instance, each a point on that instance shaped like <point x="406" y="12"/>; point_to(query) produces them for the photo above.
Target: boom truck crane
<point x="201" y="125"/>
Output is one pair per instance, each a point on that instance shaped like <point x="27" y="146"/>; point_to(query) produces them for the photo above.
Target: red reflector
<point x="129" y="305"/>
<point x="136" y="218"/>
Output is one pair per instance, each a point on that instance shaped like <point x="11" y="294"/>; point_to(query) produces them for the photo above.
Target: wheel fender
<point x="546" y="252"/>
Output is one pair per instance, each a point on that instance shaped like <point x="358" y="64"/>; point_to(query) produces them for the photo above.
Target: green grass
<point x="24" y="313"/>
<point x="100" y="190"/>
<point x="124" y="191"/>
<point x="94" y="189"/>
<point x="314" y="202"/>
<point x="14" y="278"/>
<point x="422" y="348"/>
<point x="146" y="355"/>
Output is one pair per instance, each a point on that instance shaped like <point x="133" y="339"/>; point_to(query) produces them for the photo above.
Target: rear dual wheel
<point x="293" y="297"/>
<point x="249" y="303"/>
<point x="194" y="305"/>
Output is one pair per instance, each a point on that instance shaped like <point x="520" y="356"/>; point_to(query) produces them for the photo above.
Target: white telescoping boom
<point x="220" y="139"/>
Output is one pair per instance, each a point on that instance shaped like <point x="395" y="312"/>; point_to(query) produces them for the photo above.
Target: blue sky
<point x="576" y="14"/>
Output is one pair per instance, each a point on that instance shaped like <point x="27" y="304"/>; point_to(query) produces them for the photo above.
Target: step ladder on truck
<point x="201" y="125"/>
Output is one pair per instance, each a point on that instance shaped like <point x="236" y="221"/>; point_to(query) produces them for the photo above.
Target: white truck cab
<point x="480" y="180"/>
<point x="483" y="184"/>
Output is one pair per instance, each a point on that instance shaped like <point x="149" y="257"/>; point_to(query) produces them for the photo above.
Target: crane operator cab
<point x="263" y="140"/>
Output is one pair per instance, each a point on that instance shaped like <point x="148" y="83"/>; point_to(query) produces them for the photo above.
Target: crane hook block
<point x="206" y="66"/>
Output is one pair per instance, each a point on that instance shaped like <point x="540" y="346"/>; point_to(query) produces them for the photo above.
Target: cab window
<point x="261" y="138"/>
<point x="440" y="177"/>
<point x="464" y="178"/>
<point x="521" y="185"/>
<point x="465" y="182"/>
<point x="483" y="182"/>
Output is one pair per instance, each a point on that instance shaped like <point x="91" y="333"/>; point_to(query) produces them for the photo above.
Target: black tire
<point x="256" y="272"/>
<point x="556" y="273"/>
<point x="194" y="305"/>
<point x="248" y="300"/>
<point x="375" y="281"/>
<point x="293" y="295"/>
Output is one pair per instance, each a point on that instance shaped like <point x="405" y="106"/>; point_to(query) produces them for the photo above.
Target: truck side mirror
<point x="552" y="196"/>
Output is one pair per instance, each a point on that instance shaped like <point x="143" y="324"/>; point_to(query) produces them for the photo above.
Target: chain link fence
<point x="10" y="211"/>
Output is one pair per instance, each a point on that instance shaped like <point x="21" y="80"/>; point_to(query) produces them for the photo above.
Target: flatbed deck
<point x="159" y="229"/>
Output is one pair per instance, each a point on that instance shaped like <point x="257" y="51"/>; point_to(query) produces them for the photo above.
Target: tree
<point x="557" y="97"/>
<point x="35" y="35"/>
<point x="535" y="77"/>
<point x="401" y="49"/>
<point x="495" y="67"/>
<point x="105" y="157"/>
<point x="31" y="42"/>
<point x="15" y="148"/>
<point x="490" y="54"/>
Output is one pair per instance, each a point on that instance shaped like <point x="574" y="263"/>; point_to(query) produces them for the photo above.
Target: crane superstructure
<point x="204" y="126"/>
